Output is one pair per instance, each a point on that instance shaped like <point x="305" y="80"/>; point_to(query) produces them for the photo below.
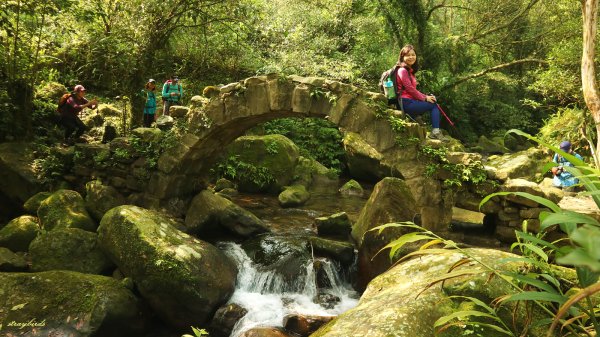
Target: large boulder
<point x="364" y="161"/>
<point x="65" y="209"/>
<point x="335" y="225"/>
<point x="292" y="196"/>
<point x="309" y="170"/>
<point x="66" y="303"/>
<point x="276" y="153"/>
<point x="390" y="201"/>
<point x="19" y="180"/>
<point x="19" y="232"/>
<point x="69" y="249"/>
<point x="403" y="303"/>
<point x="524" y="164"/>
<point x="182" y="278"/>
<point x="10" y="261"/>
<point x="100" y="198"/>
<point x="32" y="204"/>
<point x="210" y="213"/>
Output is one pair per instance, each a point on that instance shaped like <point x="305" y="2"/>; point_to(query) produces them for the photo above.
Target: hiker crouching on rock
<point x="414" y="102"/>
<point x="562" y="178"/>
<point x="69" y="114"/>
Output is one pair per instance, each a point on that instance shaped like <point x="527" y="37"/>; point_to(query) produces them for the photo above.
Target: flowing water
<point x="264" y="292"/>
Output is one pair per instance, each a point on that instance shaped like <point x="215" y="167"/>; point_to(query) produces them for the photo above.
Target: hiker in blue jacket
<point x="562" y="178"/>
<point x="150" y="107"/>
<point x="171" y="94"/>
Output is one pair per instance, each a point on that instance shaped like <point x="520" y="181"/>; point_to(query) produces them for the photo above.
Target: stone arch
<point x="360" y="116"/>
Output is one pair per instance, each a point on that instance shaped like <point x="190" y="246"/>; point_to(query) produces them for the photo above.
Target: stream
<point x="267" y="295"/>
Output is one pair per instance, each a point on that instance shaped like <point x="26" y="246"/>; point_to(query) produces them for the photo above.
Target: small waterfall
<point x="269" y="298"/>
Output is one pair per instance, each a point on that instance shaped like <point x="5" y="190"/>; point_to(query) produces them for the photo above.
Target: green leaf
<point x="532" y="281"/>
<point x="407" y="224"/>
<point x="462" y="314"/>
<point x="534" y="249"/>
<point x="543" y="201"/>
<point x="535" y="239"/>
<point x="588" y="238"/>
<point x="404" y="239"/>
<point x="568" y="217"/>
<point x="586" y="277"/>
<point x="580" y="258"/>
<point x="535" y="296"/>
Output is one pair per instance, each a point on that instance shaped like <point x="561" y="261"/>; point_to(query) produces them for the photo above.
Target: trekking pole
<point x="445" y="116"/>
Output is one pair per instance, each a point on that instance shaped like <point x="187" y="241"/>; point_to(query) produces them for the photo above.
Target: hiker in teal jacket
<point x="171" y="94"/>
<point x="561" y="177"/>
<point x="150" y="107"/>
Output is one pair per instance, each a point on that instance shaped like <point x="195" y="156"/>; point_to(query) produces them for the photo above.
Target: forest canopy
<point x="493" y="64"/>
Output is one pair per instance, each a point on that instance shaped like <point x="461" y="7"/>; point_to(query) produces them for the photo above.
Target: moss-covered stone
<point x="336" y="225"/>
<point x="211" y="214"/>
<point x="275" y="152"/>
<point x="351" y="187"/>
<point x="65" y="209"/>
<point x="100" y="198"/>
<point x="10" y="261"/>
<point x="18" y="233"/>
<point x="182" y="278"/>
<point x="69" y="249"/>
<point x="337" y="250"/>
<point x="402" y="302"/>
<point x="65" y="303"/>
<point x="295" y="195"/>
<point x="390" y="201"/>
<point x="32" y="204"/>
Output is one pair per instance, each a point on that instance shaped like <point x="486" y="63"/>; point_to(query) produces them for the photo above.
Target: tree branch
<point x="492" y="69"/>
<point x="507" y="24"/>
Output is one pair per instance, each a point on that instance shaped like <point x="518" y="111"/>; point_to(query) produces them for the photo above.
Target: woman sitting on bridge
<point x="414" y="102"/>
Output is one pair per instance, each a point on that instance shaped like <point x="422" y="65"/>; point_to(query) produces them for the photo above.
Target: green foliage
<point x="197" y="332"/>
<point x="436" y="158"/>
<point x="237" y="170"/>
<point x="538" y="282"/>
<point x="51" y="164"/>
<point x="317" y="138"/>
<point x="567" y="124"/>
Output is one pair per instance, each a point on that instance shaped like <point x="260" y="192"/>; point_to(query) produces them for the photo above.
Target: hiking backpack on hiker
<point x="168" y="83"/>
<point x="62" y="101"/>
<point x="389" y="87"/>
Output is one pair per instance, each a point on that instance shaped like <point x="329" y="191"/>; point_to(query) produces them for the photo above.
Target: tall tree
<point x="588" y="68"/>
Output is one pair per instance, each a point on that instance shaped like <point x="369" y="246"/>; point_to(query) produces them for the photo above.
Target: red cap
<point x="79" y="88"/>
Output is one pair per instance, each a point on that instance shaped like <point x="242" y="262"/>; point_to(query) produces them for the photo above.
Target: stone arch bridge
<point x="360" y="115"/>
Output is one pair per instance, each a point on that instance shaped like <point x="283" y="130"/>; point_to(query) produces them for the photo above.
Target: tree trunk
<point x="588" y="69"/>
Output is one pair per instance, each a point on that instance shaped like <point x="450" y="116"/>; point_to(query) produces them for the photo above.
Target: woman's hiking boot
<point x="437" y="135"/>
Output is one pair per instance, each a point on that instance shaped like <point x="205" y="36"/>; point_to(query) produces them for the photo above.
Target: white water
<point x="269" y="299"/>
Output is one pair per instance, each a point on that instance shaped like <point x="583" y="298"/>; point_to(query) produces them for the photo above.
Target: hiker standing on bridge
<point x="562" y="178"/>
<point x="150" y="107"/>
<point x="414" y="102"/>
<point x="171" y="94"/>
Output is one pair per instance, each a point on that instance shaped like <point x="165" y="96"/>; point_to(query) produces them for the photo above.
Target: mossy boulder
<point x="352" y="187"/>
<point x="309" y="170"/>
<point x="494" y="146"/>
<point x="65" y="209"/>
<point x="100" y="198"/>
<point x="295" y="195"/>
<point x="338" y="250"/>
<point x="148" y="135"/>
<point x="524" y="164"/>
<point x="402" y="302"/>
<point x="66" y="303"/>
<point x="275" y="153"/>
<point x="212" y="215"/>
<point x="32" y="204"/>
<point x="390" y="201"/>
<point x="69" y="249"/>
<point x="364" y="161"/>
<point x="223" y="183"/>
<point x="10" y="261"/>
<point x="182" y="278"/>
<point x="335" y="225"/>
<point x="19" y="232"/>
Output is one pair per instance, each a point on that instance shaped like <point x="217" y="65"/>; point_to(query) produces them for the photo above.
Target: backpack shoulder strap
<point x="394" y="75"/>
